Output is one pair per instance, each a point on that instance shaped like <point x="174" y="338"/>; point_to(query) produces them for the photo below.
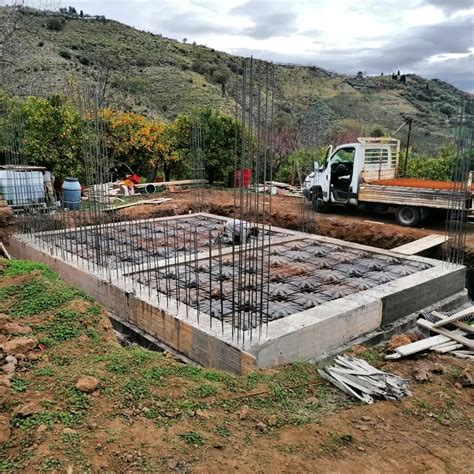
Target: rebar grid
<point x="460" y="200"/>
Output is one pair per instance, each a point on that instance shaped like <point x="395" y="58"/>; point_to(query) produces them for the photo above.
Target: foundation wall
<point x="197" y="344"/>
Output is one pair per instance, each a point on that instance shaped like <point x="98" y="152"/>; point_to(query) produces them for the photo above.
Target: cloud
<point x="273" y="18"/>
<point x="450" y="6"/>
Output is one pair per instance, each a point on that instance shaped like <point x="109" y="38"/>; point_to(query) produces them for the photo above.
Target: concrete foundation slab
<point x="323" y="293"/>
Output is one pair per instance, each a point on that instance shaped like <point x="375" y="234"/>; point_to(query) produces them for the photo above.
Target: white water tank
<point x="21" y="185"/>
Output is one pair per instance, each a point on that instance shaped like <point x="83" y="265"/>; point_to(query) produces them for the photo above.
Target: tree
<point x="185" y="40"/>
<point x="221" y="139"/>
<point x="134" y="140"/>
<point x="221" y="76"/>
<point x="54" y="24"/>
<point x="52" y="134"/>
<point x="283" y="141"/>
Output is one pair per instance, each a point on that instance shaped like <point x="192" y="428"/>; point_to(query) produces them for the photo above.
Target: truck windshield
<point x="344" y="155"/>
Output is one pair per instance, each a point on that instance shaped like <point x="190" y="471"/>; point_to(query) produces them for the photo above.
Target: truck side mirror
<point x="316" y="166"/>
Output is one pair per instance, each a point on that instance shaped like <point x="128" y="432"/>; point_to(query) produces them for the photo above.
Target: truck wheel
<point x="320" y="206"/>
<point x="408" y="216"/>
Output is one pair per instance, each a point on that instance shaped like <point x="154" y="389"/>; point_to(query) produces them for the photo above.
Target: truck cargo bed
<point x="399" y="192"/>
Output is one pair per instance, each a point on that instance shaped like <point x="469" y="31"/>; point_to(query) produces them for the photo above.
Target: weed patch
<point x="192" y="438"/>
<point x="19" y="385"/>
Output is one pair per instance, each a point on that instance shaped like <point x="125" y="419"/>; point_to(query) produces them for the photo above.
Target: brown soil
<point x="415" y="183"/>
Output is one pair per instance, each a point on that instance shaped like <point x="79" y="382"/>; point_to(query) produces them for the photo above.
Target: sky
<point x="433" y="38"/>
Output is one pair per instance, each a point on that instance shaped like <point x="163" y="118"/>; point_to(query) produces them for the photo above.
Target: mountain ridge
<point x="160" y="77"/>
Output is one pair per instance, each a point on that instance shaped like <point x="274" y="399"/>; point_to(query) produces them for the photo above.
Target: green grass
<point x="192" y="438"/>
<point x="19" y="385"/>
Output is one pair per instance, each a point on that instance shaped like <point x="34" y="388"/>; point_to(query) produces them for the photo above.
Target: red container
<point x="243" y="178"/>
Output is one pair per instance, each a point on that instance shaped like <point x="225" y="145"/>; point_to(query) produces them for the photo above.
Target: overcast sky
<point x="433" y="38"/>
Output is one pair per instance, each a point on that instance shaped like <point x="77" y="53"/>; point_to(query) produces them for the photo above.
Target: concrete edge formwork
<point x="301" y="336"/>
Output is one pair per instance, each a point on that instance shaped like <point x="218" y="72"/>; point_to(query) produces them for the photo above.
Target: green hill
<point x="160" y="77"/>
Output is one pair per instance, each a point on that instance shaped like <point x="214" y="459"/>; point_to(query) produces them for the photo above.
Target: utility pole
<point x="408" y="146"/>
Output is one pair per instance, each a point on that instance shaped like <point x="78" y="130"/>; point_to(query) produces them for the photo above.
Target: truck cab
<point x="337" y="179"/>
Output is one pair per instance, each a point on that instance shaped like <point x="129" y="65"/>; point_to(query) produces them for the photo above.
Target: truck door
<point x="339" y="174"/>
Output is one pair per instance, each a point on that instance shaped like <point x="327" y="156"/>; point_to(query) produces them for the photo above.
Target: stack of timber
<point x="453" y="334"/>
<point x="359" y="379"/>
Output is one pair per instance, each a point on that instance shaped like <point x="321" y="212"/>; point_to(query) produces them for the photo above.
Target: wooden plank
<point x="463" y="356"/>
<point x="422" y="197"/>
<point x="4" y="251"/>
<point x="463" y="340"/>
<point x="425" y="243"/>
<point x="422" y="345"/>
<point x="451" y="347"/>
<point x="136" y="203"/>
<point x="459" y="324"/>
<point x="451" y="319"/>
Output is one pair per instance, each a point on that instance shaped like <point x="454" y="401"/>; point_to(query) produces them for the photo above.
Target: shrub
<point x="65" y="54"/>
<point x="54" y="24"/>
<point x="41" y="44"/>
<point x="85" y="61"/>
<point x="437" y="168"/>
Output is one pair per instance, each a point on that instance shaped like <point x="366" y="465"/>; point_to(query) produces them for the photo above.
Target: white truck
<point x="366" y="174"/>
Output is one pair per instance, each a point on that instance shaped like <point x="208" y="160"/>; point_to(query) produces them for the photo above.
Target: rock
<point x="20" y="356"/>
<point x="4" y="319"/>
<point x="27" y="409"/>
<point x="69" y="431"/>
<point x="272" y="420"/>
<point x="15" y="328"/>
<point x="243" y="412"/>
<point x="87" y="384"/>
<point x="398" y="340"/>
<point x="202" y="414"/>
<point x="262" y="427"/>
<point x="19" y="344"/>
<point x="360" y="448"/>
<point x="41" y="429"/>
<point x="34" y="356"/>
<point x="9" y="369"/>
<point x="466" y="379"/>
<point x="366" y="418"/>
<point x="421" y="375"/>
<point x="437" y="369"/>
<point x="5" y="431"/>
<point x="11" y="360"/>
<point x="362" y="427"/>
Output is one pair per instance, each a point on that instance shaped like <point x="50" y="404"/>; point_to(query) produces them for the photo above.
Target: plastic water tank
<point x="71" y="193"/>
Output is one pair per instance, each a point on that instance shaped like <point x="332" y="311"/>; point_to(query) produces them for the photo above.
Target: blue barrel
<point x="71" y="193"/>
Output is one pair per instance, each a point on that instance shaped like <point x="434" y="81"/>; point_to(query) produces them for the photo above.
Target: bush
<point x="65" y="54"/>
<point x="54" y="24"/>
<point x="85" y="61"/>
<point x="437" y="168"/>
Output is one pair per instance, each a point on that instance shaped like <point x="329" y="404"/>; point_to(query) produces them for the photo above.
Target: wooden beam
<point x="452" y="319"/>
<point x="425" y="243"/>
<point x="463" y="340"/>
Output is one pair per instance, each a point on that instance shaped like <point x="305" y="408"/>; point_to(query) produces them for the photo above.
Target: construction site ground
<point x="145" y="411"/>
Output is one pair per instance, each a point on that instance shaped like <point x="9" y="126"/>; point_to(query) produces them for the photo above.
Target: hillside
<point x="156" y="76"/>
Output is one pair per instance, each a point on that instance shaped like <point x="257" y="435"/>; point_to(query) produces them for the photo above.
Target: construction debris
<point x="454" y="341"/>
<point x="359" y="379"/>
